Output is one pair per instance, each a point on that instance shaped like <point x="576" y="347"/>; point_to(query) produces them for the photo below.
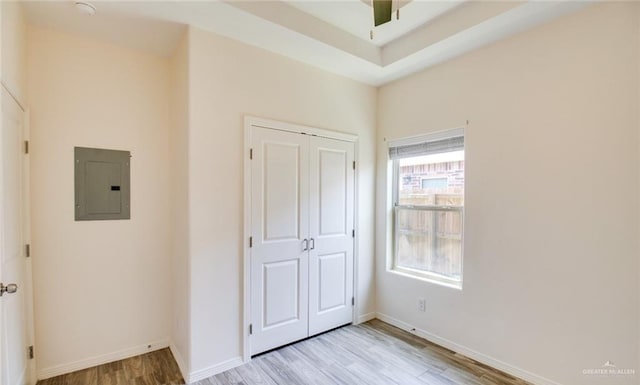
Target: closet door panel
<point x="279" y="223"/>
<point x="331" y="193"/>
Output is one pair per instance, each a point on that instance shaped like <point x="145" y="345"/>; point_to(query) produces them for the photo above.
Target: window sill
<point x="426" y="278"/>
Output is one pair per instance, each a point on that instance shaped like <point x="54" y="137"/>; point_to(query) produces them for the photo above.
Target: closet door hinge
<point x="251" y="153"/>
<point x="26" y="146"/>
<point x="250" y="242"/>
<point x="30" y="352"/>
<point x="27" y="250"/>
<point x="354" y="164"/>
<point x="250" y="329"/>
<point x="353" y="301"/>
<point x="353" y="233"/>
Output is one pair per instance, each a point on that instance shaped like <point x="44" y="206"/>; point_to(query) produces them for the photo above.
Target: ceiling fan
<point x="383" y="11"/>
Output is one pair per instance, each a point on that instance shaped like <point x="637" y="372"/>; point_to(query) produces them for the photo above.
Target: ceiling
<point x="355" y="17"/>
<point x="332" y="35"/>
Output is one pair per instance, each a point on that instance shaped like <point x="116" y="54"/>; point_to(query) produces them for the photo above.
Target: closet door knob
<point x="313" y="244"/>
<point x="306" y="245"/>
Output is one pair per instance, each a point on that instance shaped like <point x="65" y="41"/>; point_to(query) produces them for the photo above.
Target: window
<point x="434" y="183"/>
<point x="428" y="200"/>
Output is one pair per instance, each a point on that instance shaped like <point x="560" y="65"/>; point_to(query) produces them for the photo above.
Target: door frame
<point x="252" y="121"/>
<point x="26" y="185"/>
<point x="27" y="287"/>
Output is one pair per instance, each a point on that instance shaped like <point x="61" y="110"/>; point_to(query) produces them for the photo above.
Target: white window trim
<point x="426" y="137"/>
<point x="391" y="258"/>
<point x="426" y="277"/>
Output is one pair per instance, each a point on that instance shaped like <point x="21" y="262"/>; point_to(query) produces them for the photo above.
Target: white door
<point x="302" y="210"/>
<point x="13" y="322"/>
<point x="280" y="233"/>
<point x="331" y="231"/>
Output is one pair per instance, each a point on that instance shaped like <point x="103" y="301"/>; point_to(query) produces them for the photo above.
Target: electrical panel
<point x="102" y="184"/>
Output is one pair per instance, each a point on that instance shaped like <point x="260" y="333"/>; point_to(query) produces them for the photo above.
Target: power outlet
<point x="422" y="305"/>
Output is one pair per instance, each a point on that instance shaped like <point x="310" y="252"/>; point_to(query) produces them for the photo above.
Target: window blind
<point x="439" y="146"/>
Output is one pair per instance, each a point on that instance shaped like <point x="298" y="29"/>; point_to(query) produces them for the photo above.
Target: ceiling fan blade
<point x="382" y="10"/>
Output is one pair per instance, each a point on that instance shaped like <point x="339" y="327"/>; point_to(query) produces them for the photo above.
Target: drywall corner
<point x="179" y="207"/>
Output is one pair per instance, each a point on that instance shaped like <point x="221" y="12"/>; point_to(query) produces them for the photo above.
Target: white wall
<point x="228" y="80"/>
<point x="174" y="271"/>
<point x="551" y="216"/>
<point x="179" y="156"/>
<point x="13" y="48"/>
<point x="102" y="288"/>
<point x="551" y="247"/>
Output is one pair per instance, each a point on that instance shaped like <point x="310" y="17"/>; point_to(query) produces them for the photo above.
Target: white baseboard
<point x="184" y="370"/>
<point x="201" y="374"/>
<point x="366" y="317"/>
<point x="58" y="370"/>
<point x="477" y="356"/>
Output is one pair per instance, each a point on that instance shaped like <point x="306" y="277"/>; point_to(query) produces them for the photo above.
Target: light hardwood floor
<point x="374" y="353"/>
<point x="155" y="368"/>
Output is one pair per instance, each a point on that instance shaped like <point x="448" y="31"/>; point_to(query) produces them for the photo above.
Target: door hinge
<point x="353" y="301"/>
<point x="250" y="329"/>
<point x="26" y="146"/>
<point x="354" y="164"/>
<point x="250" y="242"/>
<point x="251" y="153"/>
<point x="353" y="233"/>
<point x="30" y="352"/>
<point x="27" y="250"/>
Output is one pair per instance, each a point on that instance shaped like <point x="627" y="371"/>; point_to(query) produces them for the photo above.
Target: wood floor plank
<point x="52" y="381"/>
<point x="413" y="354"/>
<point x="397" y="333"/>
<point x="155" y="368"/>
<point x="435" y="379"/>
<point x="253" y="375"/>
<point x="341" y="351"/>
<point x="134" y="367"/>
<point x="230" y="377"/>
<point x="209" y="381"/>
<point x="393" y="356"/>
<point x="109" y="368"/>
<point x="367" y="376"/>
<point x="82" y="377"/>
<point x="275" y="366"/>
<point x="340" y="375"/>
<point x="111" y="378"/>
<point x="312" y="351"/>
<point x="461" y="376"/>
<point x="309" y="373"/>
<point x="503" y="378"/>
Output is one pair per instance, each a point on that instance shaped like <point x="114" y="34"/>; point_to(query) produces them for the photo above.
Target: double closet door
<point x="302" y="205"/>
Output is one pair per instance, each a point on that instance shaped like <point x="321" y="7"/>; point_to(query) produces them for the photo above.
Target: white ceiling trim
<point x="283" y="14"/>
<point x="517" y="20"/>
<point x="356" y="16"/>
<point x="286" y="30"/>
<point x="462" y="18"/>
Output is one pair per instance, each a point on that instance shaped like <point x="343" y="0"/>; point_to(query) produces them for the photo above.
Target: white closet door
<point x="280" y="224"/>
<point x="331" y="225"/>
